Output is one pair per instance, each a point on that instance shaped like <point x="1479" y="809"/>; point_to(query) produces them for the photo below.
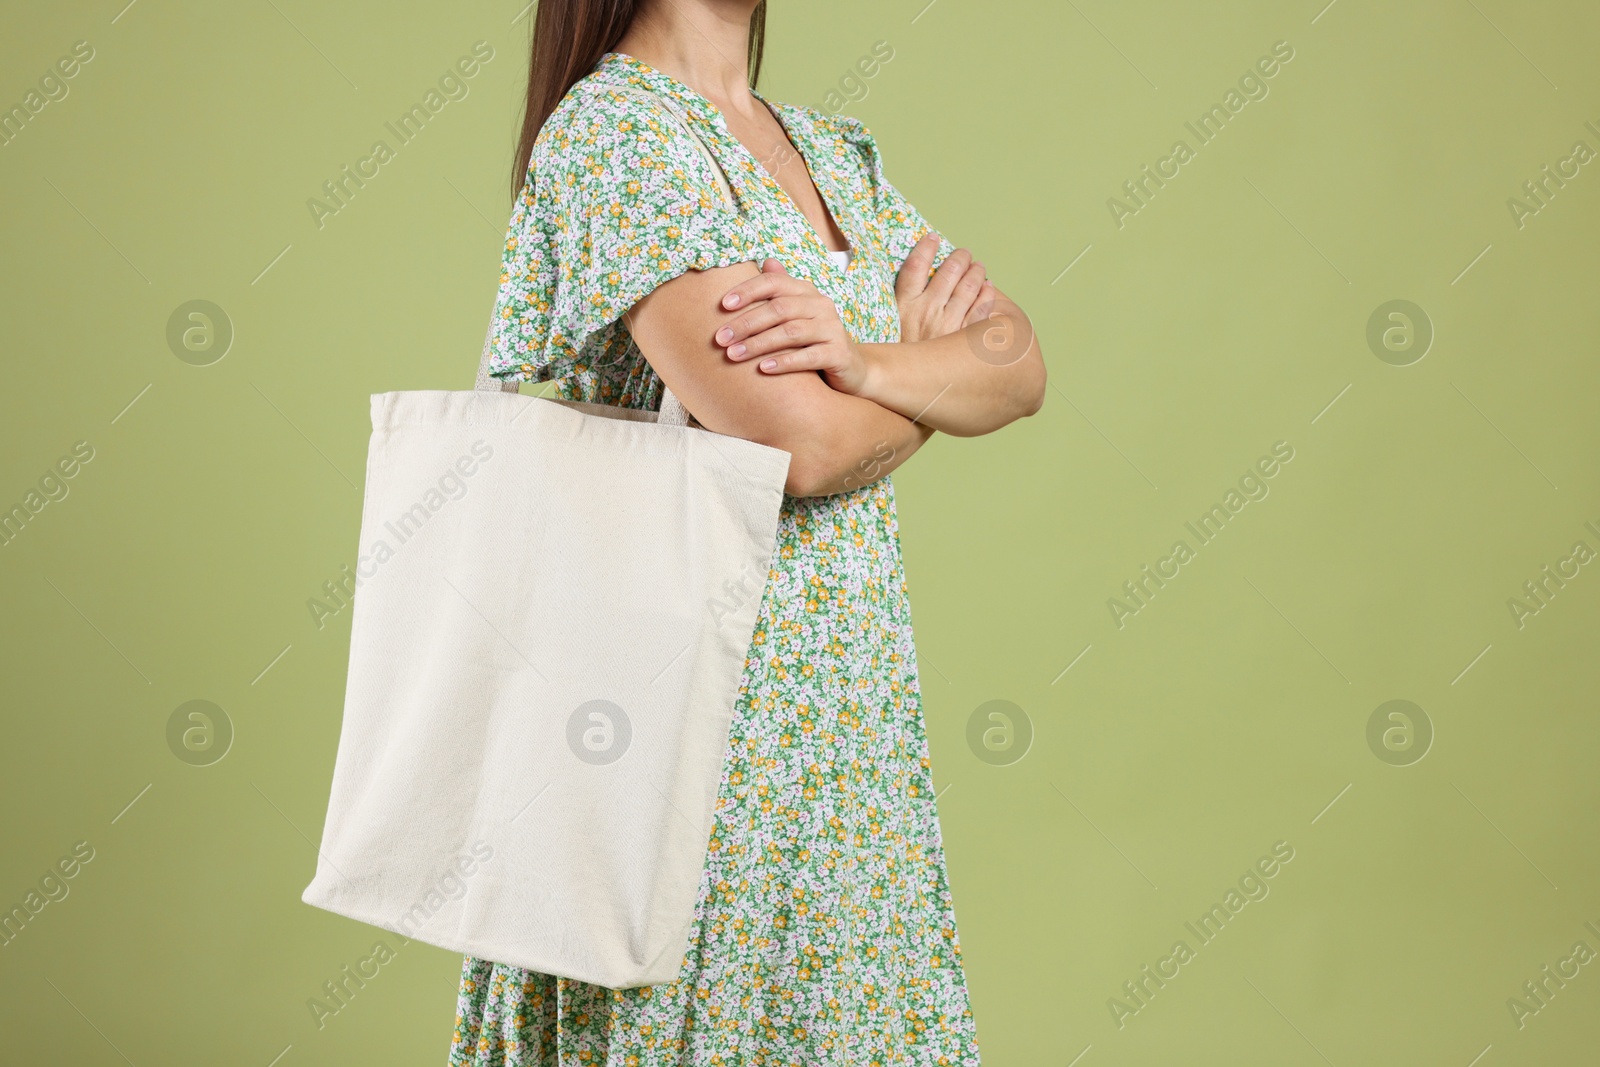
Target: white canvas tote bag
<point x="553" y="606"/>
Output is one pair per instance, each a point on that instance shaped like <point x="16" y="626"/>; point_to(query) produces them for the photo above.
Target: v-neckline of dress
<point x="714" y="116"/>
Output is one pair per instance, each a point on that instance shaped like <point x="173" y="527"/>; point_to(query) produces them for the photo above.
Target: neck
<point x="702" y="43"/>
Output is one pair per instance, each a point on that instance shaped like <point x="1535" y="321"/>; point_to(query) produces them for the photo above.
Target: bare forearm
<point x="864" y="442"/>
<point x="966" y="383"/>
<point x="836" y="442"/>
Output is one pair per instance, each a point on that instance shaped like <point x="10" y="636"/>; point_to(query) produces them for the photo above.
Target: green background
<point x="1230" y="312"/>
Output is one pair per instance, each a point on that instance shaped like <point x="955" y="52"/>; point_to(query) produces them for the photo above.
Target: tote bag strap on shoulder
<point x="673" y="412"/>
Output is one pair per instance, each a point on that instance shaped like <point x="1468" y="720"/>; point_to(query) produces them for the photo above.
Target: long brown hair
<point x="569" y="37"/>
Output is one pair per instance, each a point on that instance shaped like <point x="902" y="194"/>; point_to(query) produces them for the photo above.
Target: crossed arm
<point x="759" y="355"/>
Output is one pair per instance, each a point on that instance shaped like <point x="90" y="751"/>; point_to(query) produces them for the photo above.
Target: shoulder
<point x="858" y="164"/>
<point x="845" y="131"/>
<point x="843" y="139"/>
<point x="600" y="126"/>
<point x="610" y="156"/>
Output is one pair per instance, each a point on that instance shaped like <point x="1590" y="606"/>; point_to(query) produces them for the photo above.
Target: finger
<point x="965" y="294"/>
<point x="772" y="266"/>
<point x="790" y="333"/>
<point x="764" y="286"/>
<point x="944" y="280"/>
<point x="766" y="314"/>
<point x="982" y="306"/>
<point x="787" y="361"/>
<point x="964" y="298"/>
<point x="913" y="276"/>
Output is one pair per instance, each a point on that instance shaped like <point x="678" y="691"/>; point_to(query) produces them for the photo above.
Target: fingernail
<point x="769" y="364"/>
<point x="736" y="351"/>
<point x="731" y="300"/>
<point x="724" y="335"/>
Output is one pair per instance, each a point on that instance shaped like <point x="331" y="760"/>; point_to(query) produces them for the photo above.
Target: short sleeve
<point x="899" y="224"/>
<point x="617" y="201"/>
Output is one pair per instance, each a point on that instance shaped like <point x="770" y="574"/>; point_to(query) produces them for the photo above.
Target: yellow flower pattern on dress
<point x="824" y="931"/>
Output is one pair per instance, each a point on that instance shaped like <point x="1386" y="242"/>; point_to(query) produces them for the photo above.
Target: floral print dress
<point x="824" y="932"/>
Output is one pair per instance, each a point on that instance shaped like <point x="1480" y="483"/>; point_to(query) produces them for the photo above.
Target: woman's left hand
<point x="957" y="295"/>
<point x="789" y="326"/>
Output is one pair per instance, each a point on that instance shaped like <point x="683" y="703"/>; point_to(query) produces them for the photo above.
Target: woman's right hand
<point x="949" y="301"/>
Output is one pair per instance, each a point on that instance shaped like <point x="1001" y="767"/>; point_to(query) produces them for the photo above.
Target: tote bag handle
<point x="672" y="412"/>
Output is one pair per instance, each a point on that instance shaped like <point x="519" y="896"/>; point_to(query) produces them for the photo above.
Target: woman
<point x="809" y="317"/>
